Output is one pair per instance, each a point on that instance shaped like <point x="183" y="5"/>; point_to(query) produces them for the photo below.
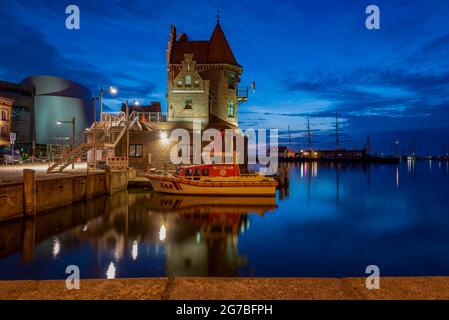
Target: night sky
<point x="306" y="56"/>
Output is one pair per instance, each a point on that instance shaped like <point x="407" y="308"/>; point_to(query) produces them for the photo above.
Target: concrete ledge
<point x="230" y="288"/>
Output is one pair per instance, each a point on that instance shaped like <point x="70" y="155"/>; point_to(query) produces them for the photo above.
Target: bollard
<point x="29" y="192"/>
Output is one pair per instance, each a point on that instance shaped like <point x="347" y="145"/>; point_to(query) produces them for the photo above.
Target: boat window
<point x="205" y="172"/>
<point x="188" y="172"/>
<point x="197" y="173"/>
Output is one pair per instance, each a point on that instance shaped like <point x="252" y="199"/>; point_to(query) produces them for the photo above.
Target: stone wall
<point x="11" y="199"/>
<point x="57" y="192"/>
<point x="221" y="94"/>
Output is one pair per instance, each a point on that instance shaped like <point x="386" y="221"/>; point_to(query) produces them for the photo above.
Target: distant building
<point x="203" y="78"/>
<point x="57" y="99"/>
<point x="5" y="120"/>
<point x="22" y="116"/>
<point x="41" y="101"/>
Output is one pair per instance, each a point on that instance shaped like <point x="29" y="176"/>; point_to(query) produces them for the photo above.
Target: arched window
<point x="188" y="81"/>
<point x="231" y="109"/>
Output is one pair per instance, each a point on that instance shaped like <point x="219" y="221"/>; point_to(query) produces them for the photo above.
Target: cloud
<point x="28" y="52"/>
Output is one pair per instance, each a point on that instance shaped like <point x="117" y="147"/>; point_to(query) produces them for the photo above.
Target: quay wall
<point x="36" y="195"/>
<point x="11" y="201"/>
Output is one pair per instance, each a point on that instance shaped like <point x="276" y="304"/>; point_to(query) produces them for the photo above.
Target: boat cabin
<point x="209" y="171"/>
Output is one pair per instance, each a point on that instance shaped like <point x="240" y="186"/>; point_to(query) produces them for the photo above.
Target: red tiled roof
<point x="200" y="50"/>
<point x="219" y="49"/>
<point x="216" y="50"/>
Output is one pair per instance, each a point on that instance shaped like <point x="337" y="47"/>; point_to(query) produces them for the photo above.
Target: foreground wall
<point x="30" y="197"/>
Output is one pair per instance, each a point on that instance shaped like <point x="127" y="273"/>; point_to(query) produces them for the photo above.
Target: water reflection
<point x="183" y="235"/>
<point x="328" y="220"/>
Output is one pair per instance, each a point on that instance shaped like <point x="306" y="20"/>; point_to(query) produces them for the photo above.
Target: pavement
<point x="395" y="288"/>
<point x="14" y="173"/>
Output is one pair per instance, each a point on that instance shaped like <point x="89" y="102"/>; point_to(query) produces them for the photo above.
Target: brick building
<point x="203" y="84"/>
<point x="5" y="120"/>
<point x="203" y="79"/>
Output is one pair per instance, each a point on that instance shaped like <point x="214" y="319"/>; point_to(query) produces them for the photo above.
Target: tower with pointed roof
<point x="203" y="78"/>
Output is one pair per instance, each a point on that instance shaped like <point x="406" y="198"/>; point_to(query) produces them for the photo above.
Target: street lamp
<point x="73" y="133"/>
<point x="111" y="90"/>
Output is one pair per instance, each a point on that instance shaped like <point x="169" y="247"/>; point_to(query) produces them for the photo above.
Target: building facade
<point x="5" y="120"/>
<point x="22" y="114"/>
<point x="203" y="79"/>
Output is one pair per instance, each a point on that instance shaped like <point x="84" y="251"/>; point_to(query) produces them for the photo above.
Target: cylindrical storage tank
<point x="58" y="99"/>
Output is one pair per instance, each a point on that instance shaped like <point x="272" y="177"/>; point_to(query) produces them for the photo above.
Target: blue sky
<point x="307" y="57"/>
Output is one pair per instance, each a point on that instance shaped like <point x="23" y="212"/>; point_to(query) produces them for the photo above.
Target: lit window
<point x="180" y="83"/>
<point x="135" y="151"/>
<point x="188" y="81"/>
<point x="197" y="83"/>
<point x="231" y="109"/>
<point x="231" y="81"/>
<point x="188" y="104"/>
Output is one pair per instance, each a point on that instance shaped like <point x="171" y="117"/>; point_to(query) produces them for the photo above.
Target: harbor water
<point x="328" y="220"/>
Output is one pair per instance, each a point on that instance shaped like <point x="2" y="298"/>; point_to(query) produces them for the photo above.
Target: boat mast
<point x="309" y="134"/>
<point x="337" y="131"/>
<point x="289" y="138"/>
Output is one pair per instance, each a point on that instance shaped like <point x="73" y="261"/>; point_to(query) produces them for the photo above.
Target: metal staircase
<point x="110" y="130"/>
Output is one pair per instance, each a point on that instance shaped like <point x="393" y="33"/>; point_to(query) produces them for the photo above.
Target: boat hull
<point x="172" y="185"/>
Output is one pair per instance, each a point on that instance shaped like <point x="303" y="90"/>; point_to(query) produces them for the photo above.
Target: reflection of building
<point x="22" y="117"/>
<point x="5" y="120"/>
<point x="134" y="232"/>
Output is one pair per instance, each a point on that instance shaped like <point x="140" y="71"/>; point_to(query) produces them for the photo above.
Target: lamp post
<point x="73" y="122"/>
<point x="127" y="134"/>
<point x="112" y="91"/>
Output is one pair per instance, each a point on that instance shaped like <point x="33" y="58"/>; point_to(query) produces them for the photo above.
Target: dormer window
<point x="197" y="83"/>
<point x="179" y="83"/>
<point x="188" y="81"/>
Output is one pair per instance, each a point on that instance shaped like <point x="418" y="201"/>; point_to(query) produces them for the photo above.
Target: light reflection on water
<point x="329" y="220"/>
